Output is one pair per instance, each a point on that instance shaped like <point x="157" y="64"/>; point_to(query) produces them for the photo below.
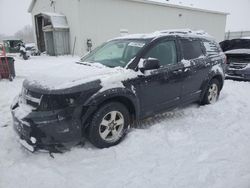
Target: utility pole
<point x="53" y="4"/>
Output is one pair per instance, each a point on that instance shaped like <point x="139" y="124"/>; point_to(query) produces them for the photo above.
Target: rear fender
<point x="216" y="72"/>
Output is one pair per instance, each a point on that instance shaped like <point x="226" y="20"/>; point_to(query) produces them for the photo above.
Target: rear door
<point x="195" y="68"/>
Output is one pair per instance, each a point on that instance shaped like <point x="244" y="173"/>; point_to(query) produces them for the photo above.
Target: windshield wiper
<point x="83" y="63"/>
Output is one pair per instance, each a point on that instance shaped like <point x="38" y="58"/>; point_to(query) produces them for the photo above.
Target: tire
<point x="109" y="125"/>
<point x="25" y="57"/>
<point x="212" y="92"/>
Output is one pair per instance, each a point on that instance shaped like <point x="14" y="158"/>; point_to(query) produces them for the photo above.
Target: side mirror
<point x="149" y="64"/>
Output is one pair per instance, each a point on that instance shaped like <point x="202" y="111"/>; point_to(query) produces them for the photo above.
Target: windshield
<point x="117" y="53"/>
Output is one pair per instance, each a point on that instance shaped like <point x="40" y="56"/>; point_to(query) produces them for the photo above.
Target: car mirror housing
<point x="150" y="64"/>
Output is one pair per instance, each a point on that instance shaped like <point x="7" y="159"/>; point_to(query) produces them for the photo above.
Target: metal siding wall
<point x="49" y="43"/>
<point x="108" y="17"/>
<point x="237" y="34"/>
<point x="102" y="20"/>
<point x="61" y="41"/>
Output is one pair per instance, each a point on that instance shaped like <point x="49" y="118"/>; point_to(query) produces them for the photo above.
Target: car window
<point x="212" y="48"/>
<point x="117" y="53"/>
<point x="165" y="52"/>
<point x="111" y="52"/>
<point x="191" y="49"/>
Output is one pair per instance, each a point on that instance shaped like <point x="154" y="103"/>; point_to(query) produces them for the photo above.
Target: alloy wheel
<point x="213" y="93"/>
<point x="111" y="126"/>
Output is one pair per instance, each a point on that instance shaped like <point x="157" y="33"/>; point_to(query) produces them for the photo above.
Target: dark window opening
<point x="191" y="49"/>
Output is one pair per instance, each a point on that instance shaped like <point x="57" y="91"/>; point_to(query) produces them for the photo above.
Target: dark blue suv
<point x="116" y="85"/>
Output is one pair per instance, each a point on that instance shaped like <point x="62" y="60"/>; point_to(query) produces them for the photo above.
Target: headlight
<point x="55" y="102"/>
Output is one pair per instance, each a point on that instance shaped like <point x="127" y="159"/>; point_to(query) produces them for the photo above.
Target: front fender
<point x="114" y="93"/>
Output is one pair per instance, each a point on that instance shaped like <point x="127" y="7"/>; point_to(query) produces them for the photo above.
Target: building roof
<point x="58" y="21"/>
<point x="32" y="4"/>
<point x="155" y="2"/>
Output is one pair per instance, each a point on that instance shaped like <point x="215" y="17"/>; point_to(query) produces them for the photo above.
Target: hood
<point x="234" y="44"/>
<point x="78" y="76"/>
<point x="238" y="51"/>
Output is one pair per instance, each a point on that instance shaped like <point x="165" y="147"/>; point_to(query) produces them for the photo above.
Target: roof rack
<point x="182" y="31"/>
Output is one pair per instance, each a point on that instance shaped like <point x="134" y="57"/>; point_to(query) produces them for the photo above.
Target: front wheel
<point x="109" y="125"/>
<point x="212" y="93"/>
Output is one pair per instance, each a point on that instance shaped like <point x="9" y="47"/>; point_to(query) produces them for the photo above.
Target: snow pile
<point x="194" y="147"/>
<point x="186" y="63"/>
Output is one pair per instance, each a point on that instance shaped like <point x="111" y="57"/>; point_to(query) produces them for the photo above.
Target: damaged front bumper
<point x="243" y="74"/>
<point x="238" y="71"/>
<point x="51" y="130"/>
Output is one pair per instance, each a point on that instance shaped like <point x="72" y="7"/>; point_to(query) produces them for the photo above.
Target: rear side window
<point x="191" y="49"/>
<point x="212" y="48"/>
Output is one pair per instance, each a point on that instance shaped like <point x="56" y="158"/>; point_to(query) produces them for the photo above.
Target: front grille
<point x="31" y="103"/>
<point x="34" y="94"/>
<point x="31" y="98"/>
<point x="238" y="65"/>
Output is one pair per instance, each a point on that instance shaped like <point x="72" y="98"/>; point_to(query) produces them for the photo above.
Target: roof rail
<point x="183" y="31"/>
<point x="172" y="31"/>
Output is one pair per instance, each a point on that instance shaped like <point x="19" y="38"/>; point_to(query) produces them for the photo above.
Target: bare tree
<point x="26" y="34"/>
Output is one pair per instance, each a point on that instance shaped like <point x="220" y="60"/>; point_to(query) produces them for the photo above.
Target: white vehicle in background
<point x="23" y="52"/>
<point x="32" y="50"/>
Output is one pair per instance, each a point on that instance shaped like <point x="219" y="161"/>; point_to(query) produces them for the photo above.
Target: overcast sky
<point x="14" y="15"/>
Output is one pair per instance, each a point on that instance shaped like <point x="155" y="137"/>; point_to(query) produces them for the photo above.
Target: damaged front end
<point x="238" y="58"/>
<point x="47" y="122"/>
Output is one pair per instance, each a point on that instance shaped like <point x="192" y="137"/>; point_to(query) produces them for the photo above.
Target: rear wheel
<point x="109" y="125"/>
<point x="212" y="93"/>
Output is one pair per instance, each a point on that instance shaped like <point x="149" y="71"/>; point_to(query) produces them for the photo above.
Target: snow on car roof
<point x="178" y="32"/>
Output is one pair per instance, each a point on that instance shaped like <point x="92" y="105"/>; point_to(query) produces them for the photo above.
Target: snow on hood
<point x="74" y="74"/>
<point x="238" y="51"/>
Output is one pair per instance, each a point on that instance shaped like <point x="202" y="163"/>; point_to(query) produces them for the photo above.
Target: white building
<point x="76" y="21"/>
<point x="237" y="35"/>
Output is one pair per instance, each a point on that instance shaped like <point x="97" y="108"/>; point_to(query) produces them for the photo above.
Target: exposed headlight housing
<point x="56" y="102"/>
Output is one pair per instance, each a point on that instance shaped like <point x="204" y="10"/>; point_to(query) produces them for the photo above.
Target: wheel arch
<point x="121" y="95"/>
<point x="218" y="77"/>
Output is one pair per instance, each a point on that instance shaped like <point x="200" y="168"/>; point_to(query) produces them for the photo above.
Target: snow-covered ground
<point x="195" y="147"/>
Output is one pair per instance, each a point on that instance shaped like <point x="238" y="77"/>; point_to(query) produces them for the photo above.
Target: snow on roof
<point x="156" y="2"/>
<point x="179" y="32"/>
<point x="57" y="20"/>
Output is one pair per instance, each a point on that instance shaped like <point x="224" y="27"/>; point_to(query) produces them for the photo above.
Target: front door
<point x="160" y="89"/>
